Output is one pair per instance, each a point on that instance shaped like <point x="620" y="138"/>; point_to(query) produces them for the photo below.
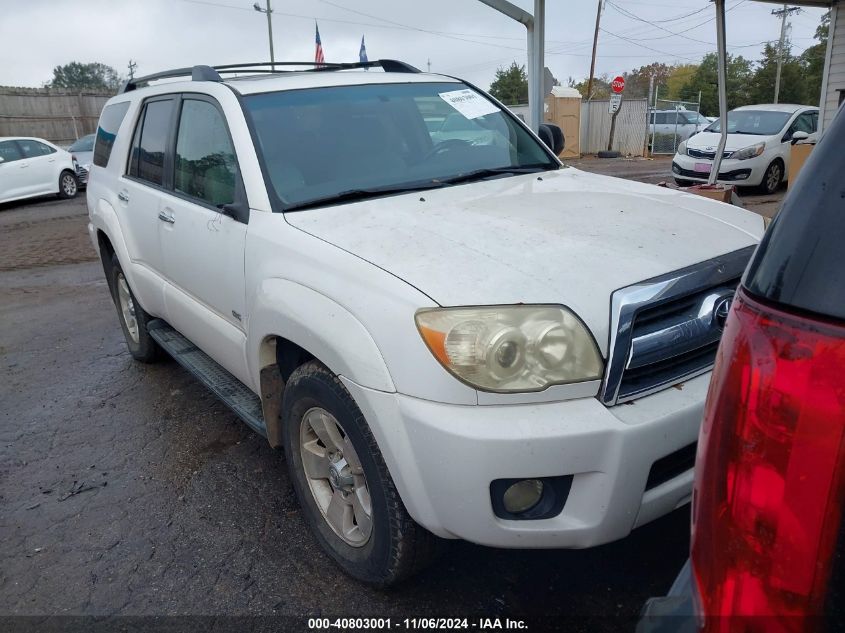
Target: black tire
<point x="144" y="349"/>
<point x="684" y="183"/>
<point x="608" y="154"/>
<point x="68" y="185"/>
<point x="773" y="178"/>
<point x="397" y="547"/>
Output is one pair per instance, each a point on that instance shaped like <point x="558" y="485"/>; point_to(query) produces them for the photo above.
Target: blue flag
<point x="362" y="54"/>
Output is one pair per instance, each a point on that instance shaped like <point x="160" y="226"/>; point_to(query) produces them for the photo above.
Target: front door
<point x="202" y="247"/>
<point x="12" y="173"/>
<point x="40" y="161"/>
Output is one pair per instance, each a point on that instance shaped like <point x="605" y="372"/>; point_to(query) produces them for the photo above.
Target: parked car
<point x="82" y="151"/>
<point x="680" y="124"/>
<point x="757" y="149"/>
<point x="442" y="335"/>
<point x="32" y="167"/>
<point x="767" y="526"/>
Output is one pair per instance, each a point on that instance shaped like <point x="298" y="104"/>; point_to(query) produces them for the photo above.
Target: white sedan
<point x="32" y="167"/>
<point x="757" y="150"/>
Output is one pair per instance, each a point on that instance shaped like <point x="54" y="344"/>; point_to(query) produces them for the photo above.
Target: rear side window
<point x="205" y="159"/>
<point x="34" y="149"/>
<point x="150" y="142"/>
<point x="799" y="262"/>
<point x="110" y="121"/>
<point x="10" y="151"/>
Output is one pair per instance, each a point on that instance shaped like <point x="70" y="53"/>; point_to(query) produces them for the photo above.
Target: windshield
<point x="374" y="139"/>
<point x="760" y="122"/>
<point x="85" y="144"/>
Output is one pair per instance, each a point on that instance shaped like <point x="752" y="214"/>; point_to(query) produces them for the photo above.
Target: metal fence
<point x="629" y="137"/>
<point x="56" y="115"/>
<point x="671" y="122"/>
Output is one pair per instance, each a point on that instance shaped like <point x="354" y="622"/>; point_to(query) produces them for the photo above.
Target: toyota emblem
<point x="721" y="311"/>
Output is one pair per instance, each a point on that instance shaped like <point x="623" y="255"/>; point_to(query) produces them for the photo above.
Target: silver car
<point x="83" y="155"/>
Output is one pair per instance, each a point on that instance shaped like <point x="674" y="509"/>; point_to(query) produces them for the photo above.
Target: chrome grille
<point x="698" y="153"/>
<point x="81" y="174"/>
<point x="666" y="330"/>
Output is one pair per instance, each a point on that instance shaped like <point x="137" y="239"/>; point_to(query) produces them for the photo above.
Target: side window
<point x="660" y="118"/>
<point x="815" y="116"/>
<point x="150" y="142"/>
<point x="10" y="151"/>
<point x="34" y="149"/>
<point x="206" y="167"/>
<point x="804" y="123"/>
<point x="110" y="121"/>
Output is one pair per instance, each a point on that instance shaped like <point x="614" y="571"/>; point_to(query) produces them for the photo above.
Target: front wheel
<point x="68" y="185"/>
<point x="347" y="495"/>
<point x="684" y="183"/>
<point x="772" y="178"/>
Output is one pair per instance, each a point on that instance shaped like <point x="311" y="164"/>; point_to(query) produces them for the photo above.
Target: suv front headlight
<point x="511" y="348"/>
<point x="682" y="148"/>
<point x="749" y="152"/>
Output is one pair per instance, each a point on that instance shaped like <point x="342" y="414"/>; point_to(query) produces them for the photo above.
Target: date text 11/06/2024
<point x="436" y="624"/>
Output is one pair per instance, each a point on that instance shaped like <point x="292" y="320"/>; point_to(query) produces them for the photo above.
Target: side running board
<point x="237" y="396"/>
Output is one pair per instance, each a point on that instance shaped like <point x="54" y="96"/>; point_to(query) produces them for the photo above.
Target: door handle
<point x="164" y="216"/>
<point x="123" y="196"/>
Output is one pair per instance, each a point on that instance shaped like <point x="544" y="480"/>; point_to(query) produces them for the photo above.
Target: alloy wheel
<point x="335" y="476"/>
<point x="127" y="308"/>
<point x="69" y="185"/>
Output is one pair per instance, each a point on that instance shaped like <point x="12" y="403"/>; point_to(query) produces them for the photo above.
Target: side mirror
<point x="552" y="136"/>
<point x="2" y="159"/>
<point x="799" y="136"/>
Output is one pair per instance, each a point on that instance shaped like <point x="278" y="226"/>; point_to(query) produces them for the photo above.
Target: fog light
<point x="523" y="495"/>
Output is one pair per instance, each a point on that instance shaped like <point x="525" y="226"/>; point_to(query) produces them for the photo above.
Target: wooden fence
<point x="60" y="116"/>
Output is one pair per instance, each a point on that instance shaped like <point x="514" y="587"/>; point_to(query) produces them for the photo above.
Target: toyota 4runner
<point x="450" y="335"/>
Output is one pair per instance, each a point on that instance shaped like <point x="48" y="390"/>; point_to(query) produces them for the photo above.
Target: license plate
<point x="703" y="168"/>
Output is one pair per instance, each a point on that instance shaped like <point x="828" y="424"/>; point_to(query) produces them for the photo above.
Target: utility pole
<point x="595" y="46"/>
<point x="132" y="66"/>
<point x="269" y="12"/>
<point x="782" y="14"/>
<point x="429" y="64"/>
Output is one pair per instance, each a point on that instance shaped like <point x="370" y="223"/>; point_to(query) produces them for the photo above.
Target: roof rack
<point x="212" y="73"/>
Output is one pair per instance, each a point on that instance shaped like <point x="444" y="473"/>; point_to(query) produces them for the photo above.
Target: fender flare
<point x="317" y="324"/>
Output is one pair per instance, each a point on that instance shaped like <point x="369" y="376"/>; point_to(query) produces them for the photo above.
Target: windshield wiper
<point x="479" y="174"/>
<point x="353" y="195"/>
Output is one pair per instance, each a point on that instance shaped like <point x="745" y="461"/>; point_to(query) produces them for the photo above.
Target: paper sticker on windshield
<point x="469" y="103"/>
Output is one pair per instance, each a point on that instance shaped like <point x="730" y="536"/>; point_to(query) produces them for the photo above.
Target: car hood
<point x="84" y="158"/>
<point x="709" y="141"/>
<point x="564" y="237"/>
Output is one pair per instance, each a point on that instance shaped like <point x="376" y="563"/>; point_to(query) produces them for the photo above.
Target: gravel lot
<point x="128" y="489"/>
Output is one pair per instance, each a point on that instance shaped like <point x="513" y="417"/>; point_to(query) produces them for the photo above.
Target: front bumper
<point x="443" y="459"/>
<point x="731" y="171"/>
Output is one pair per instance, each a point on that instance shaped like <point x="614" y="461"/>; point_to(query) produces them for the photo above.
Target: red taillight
<point x="767" y="501"/>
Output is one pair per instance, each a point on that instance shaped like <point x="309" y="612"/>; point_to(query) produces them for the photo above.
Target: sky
<point x="457" y="37"/>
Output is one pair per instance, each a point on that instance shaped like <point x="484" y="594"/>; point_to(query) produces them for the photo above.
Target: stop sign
<point x="618" y="85"/>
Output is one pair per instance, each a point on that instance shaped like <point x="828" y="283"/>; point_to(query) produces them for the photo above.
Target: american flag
<point x="318" y="52"/>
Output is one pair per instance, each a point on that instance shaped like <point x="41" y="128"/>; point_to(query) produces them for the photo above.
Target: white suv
<point x="449" y="338"/>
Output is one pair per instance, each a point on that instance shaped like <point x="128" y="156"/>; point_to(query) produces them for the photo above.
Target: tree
<point x="812" y="62"/>
<point x="705" y="79"/>
<point x="601" y="87"/>
<point x="637" y="81"/>
<point x="78" y="76"/>
<point x="793" y="88"/>
<point x="510" y="86"/>
<point x="678" y="76"/>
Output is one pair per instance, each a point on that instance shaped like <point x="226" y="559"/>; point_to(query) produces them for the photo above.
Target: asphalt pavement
<point x="128" y="489"/>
